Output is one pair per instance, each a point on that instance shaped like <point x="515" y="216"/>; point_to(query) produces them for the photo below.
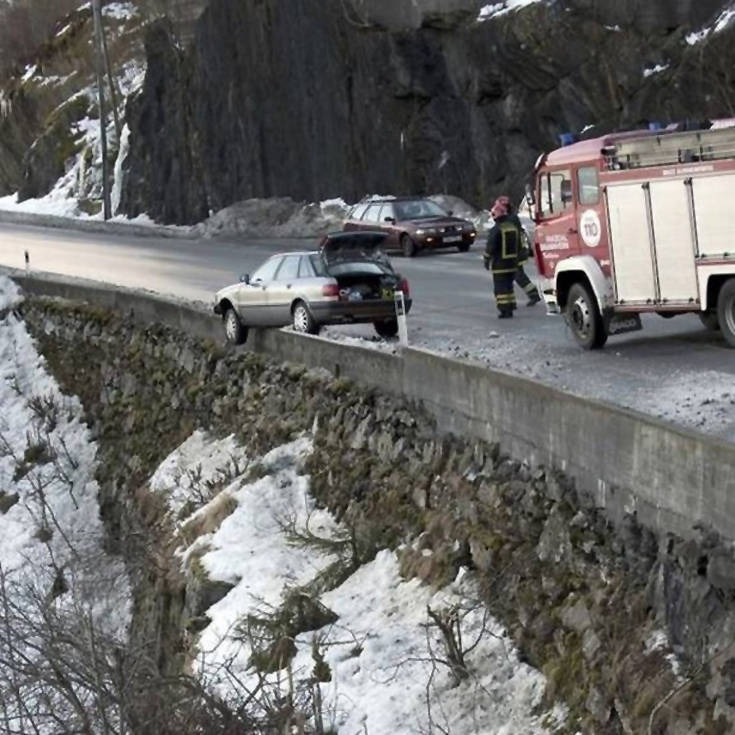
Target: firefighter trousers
<point x="525" y="283"/>
<point x="505" y="297"/>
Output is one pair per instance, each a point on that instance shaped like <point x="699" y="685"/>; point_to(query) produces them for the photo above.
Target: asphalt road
<point x="673" y="369"/>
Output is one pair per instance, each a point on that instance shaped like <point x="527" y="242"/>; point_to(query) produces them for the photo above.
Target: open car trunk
<point x="357" y="286"/>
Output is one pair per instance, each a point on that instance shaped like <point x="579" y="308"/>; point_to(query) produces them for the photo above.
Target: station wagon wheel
<point x="408" y="246"/>
<point x="583" y="318"/>
<point x="464" y="247"/>
<point x="235" y="332"/>
<point x="303" y="321"/>
<point x="726" y="311"/>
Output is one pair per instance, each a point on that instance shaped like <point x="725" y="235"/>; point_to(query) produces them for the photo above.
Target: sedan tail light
<point x="403" y="286"/>
<point x="330" y="289"/>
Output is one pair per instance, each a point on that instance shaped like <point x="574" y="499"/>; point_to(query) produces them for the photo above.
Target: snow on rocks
<point x="723" y="21"/>
<point x="376" y="643"/>
<point x="200" y="460"/>
<point x="493" y="10"/>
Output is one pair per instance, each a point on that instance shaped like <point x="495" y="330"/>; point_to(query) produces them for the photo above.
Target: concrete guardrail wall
<point x="673" y="478"/>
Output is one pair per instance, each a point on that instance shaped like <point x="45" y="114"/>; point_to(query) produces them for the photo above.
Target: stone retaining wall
<point x="581" y="599"/>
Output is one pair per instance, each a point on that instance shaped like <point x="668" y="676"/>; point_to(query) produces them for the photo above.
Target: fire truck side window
<point x="589" y="186"/>
<point x="556" y="193"/>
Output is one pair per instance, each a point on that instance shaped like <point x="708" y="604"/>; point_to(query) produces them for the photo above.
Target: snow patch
<point x="201" y="459"/>
<point x="495" y="10"/>
<point x="651" y="70"/>
<point x="120" y="11"/>
<point x="723" y="21"/>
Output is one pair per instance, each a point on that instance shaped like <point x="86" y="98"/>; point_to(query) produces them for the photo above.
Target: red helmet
<point x="501" y="208"/>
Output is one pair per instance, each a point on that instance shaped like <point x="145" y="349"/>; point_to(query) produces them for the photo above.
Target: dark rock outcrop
<point x="296" y="98"/>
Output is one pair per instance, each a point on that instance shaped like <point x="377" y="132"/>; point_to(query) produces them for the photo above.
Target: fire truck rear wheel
<point x="726" y="311"/>
<point x="584" y="319"/>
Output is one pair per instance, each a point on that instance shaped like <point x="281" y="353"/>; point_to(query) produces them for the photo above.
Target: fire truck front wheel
<point x="726" y="311"/>
<point x="584" y="318"/>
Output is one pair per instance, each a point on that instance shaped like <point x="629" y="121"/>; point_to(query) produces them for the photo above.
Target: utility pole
<point x="111" y="81"/>
<point x="99" y="57"/>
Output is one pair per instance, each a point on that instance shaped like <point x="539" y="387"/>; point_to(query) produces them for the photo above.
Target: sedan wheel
<point x="235" y="332"/>
<point x="303" y="321"/>
<point x="388" y="328"/>
<point x="408" y="246"/>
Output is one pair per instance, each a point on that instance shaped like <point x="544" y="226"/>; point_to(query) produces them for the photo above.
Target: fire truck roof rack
<point x="670" y="148"/>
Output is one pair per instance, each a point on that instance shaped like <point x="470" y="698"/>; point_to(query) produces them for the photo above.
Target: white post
<point x="401" y="317"/>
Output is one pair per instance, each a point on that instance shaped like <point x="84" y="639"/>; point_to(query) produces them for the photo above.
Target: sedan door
<point x="253" y="297"/>
<point x="283" y="290"/>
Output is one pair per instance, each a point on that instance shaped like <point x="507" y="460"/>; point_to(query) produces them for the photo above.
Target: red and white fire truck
<point x="637" y="222"/>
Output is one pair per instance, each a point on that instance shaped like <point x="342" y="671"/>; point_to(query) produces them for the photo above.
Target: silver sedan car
<point x="349" y="280"/>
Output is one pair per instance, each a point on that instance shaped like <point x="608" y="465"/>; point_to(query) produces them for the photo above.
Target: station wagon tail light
<point x="403" y="286"/>
<point x="330" y="289"/>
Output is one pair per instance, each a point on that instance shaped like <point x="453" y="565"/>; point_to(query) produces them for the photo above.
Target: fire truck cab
<point x="637" y="222"/>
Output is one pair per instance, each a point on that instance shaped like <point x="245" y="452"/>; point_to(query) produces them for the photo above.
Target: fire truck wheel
<point x="726" y="311"/>
<point x="584" y="318"/>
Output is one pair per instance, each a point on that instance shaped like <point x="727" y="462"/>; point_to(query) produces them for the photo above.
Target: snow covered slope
<point x="355" y="649"/>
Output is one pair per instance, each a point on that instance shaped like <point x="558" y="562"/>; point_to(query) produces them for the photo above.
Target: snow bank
<point x="277" y="217"/>
<point x="10" y="294"/>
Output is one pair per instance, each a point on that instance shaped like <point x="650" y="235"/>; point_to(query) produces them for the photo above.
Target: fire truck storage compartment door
<point x="631" y="244"/>
<point x="677" y="278"/>
<point x="713" y="197"/>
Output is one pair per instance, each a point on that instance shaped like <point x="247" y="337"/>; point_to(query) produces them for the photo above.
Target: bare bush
<point x="61" y="673"/>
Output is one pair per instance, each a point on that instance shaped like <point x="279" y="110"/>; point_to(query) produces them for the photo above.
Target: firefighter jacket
<point x="504" y="244"/>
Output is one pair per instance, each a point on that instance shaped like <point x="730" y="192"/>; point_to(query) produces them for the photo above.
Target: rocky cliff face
<point x="319" y="98"/>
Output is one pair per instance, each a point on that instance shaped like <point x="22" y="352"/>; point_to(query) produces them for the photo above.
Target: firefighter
<point x="520" y="275"/>
<point x="501" y="256"/>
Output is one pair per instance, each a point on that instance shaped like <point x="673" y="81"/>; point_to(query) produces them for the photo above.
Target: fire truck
<point x="637" y="222"/>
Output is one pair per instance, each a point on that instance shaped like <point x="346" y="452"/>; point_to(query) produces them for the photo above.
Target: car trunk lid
<point x="353" y="247"/>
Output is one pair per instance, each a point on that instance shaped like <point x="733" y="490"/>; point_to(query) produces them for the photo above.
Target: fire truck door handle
<point x="572" y="231"/>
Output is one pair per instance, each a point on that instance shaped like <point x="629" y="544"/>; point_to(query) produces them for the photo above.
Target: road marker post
<point x="401" y="318"/>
